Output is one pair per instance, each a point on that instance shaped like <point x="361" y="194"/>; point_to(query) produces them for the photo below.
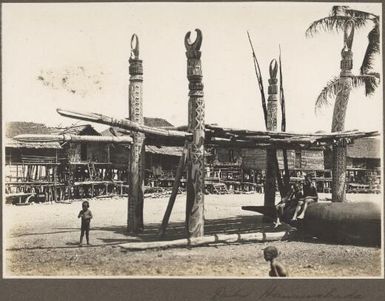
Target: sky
<point x="75" y="56"/>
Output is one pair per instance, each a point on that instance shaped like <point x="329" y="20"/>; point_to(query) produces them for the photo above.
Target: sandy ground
<point x="42" y="240"/>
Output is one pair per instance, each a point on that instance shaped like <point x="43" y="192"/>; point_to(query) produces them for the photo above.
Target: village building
<point x="363" y="165"/>
<point x="245" y="168"/>
<point x="160" y="160"/>
<point x="52" y="171"/>
<point x="238" y="167"/>
<point x="30" y="167"/>
<point x="86" y="166"/>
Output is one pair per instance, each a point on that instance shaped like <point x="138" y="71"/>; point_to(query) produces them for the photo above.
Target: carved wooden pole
<point x="271" y="153"/>
<point x="196" y="125"/>
<point x="136" y="163"/>
<point x="338" y="123"/>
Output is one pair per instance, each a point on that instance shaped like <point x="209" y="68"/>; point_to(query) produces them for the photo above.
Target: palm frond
<point x="370" y="81"/>
<point x="259" y="80"/>
<point x="360" y="14"/>
<point x="372" y="49"/>
<point x="331" y="23"/>
<point x="329" y="92"/>
<point x="338" y="10"/>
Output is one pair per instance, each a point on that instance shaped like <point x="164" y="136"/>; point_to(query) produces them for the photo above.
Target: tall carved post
<point x="136" y="163"/>
<point x="196" y="125"/>
<point x="272" y="103"/>
<point x="338" y="123"/>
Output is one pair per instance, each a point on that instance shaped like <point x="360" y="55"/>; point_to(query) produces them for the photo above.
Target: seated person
<point x="291" y="199"/>
<point x="309" y="195"/>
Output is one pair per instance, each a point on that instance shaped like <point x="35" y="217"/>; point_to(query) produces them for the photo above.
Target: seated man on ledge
<point x="289" y="200"/>
<point x="309" y="195"/>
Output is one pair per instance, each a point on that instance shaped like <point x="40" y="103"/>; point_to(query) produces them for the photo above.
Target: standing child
<point x="276" y="269"/>
<point x="85" y="214"/>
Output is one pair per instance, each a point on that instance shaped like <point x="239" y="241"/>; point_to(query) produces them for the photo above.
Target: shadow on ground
<point x="119" y="235"/>
<point x="233" y="225"/>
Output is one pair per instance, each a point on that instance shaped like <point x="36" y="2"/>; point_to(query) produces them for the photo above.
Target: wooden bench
<point x="20" y="198"/>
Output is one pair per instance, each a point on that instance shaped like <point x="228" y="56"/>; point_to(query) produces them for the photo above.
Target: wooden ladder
<point x="91" y="170"/>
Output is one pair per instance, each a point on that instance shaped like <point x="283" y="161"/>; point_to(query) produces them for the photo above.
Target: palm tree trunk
<point x="339" y="149"/>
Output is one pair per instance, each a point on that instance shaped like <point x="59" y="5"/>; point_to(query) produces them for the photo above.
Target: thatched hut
<point x="30" y="167"/>
<point x="160" y="160"/>
<point x="244" y="166"/>
<point x="363" y="165"/>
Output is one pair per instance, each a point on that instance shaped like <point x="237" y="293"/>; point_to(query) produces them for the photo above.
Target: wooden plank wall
<point x="119" y="154"/>
<point x="223" y="155"/>
<point x="290" y="159"/>
<point x="95" y="152"/>
<point x="312" y="160"/>
<point x="256" y="159"/>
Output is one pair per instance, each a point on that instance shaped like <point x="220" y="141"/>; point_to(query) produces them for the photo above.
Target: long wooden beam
<point x="205" y="240"/>
<point x="122" y="123"/>
<point x="72" y="138"/>
<point x="222" y="136"/>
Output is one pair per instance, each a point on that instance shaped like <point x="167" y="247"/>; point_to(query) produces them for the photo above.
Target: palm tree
<point x="347" y="20"/>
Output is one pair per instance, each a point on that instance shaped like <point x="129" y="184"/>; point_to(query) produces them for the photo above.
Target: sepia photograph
<point x="192" y="140"/>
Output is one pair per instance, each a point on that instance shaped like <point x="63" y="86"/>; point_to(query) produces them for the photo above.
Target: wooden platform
<point x="19" y="198"/>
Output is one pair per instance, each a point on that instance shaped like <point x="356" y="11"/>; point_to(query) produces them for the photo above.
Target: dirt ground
<point x="42" y="240"/>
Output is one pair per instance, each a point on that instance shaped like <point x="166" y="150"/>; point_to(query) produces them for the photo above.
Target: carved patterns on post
<point x="272" y="115"/>
<point x="340" y="106"/>
<point x="273" y="97"/>
<point x="136" y="176"/>
<point x="272" y="104"/>
<point x="196" y="125"/>
<point x="339" y="173"/>
<point x="136" y="106"/>
<point x="339" y="151"/>
<point x="338" y="122"/>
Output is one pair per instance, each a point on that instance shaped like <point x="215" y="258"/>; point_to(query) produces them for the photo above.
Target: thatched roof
<point x="12" y="143"/>
<point x="157" y="122"/>
<point x="153" y="149"/>
<point x="175" y="151"/>
<point x="16" y="128"/>
<point x="365" y="148"/>
<point x="84" y="129"/>
<point x="148" y="121"/>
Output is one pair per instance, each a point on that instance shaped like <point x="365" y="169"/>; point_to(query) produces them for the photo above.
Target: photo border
<point x="172" y="288"/>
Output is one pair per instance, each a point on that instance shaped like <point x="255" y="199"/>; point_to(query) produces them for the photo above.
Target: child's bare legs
<point x="81" y="236"/>
<point x="306" y="202"/>
<point x="87" y="236"/>
<point x="280" y="208"/>
<point x="297" y="209"/>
